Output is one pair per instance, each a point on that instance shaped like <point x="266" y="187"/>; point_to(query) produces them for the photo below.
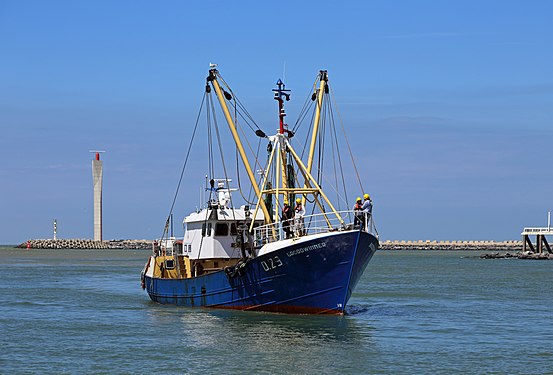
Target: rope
<point x="184" y="165"/>
<point x="339" y="162"/>
<point x="240" y="105"/>
<point x="224" y="170"/>
<point x="306" y="105"/>
<point x="347" y="141"/>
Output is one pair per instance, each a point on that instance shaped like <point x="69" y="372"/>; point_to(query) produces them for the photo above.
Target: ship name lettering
<point x="306" y="249"/>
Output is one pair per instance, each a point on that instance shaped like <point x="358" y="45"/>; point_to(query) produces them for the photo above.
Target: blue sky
<point x="449" y="106"/>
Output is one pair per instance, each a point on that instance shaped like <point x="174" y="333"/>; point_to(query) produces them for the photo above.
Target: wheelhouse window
<point x="221" y="229"/>
<point x="233" y="231"/>
<point x="206" y="229"/>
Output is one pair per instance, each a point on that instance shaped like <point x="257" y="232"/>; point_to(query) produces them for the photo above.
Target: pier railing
<point x="535" y="230"/>
<point x="314" y="224"/>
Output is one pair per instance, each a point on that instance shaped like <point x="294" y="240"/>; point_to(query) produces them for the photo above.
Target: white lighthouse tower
<point x="97" y="174"/>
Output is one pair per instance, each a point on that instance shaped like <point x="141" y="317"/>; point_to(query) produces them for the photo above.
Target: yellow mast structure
<point x="213" y="78"/>
<point x="323" y="77"/>
<point x="281" y="145"/>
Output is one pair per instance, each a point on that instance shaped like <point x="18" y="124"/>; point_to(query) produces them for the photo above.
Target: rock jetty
<point x="518" y="255"/>
<point x="77" y="243"/>
<point x="452" y="245"/>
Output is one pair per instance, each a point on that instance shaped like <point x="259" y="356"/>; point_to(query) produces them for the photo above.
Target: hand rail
<point x="315" y="224"/>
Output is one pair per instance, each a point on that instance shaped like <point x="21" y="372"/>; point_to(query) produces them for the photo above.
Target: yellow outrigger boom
<point x="213" y="78"/>
<point x="323" y="77"/>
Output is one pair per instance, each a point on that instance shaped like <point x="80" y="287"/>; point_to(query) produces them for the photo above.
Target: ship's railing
<point x="314" y="224"/>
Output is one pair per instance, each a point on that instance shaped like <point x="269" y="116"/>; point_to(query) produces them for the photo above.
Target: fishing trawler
<point x="266" y="255"/>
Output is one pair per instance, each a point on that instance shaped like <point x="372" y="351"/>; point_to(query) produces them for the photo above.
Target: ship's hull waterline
<point x="315" y="276"/>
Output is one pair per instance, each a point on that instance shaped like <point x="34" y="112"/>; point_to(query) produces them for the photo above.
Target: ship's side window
<point x="233" y="231"/>
<point x="203" y="230"/>
<point x="221" y="229"/>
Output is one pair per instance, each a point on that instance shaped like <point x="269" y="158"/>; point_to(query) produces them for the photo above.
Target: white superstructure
<point x="213" y="232"/>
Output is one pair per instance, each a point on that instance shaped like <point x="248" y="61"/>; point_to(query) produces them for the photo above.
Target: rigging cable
<point x="307" y="105"/>
<point x="225" y="171"/>
<point x="184" y="165"/>
<point x="347" y="141"/>
<point x="241" y="111"/>
<point x="205" y="226"/>
<point x="304" y="149"/>
<point x="340" y="163"/>
<point x="240" y="105"/>
<point x="334" y="152"/>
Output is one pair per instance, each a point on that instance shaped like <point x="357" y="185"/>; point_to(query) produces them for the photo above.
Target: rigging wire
<point x="225" y="174"/>
<point x="165" y="231"/>
<point x="306" y="105"/>
<point x="205" y="226"/>
<point x="249" y="198"/>
<point x="339" y="162"/>
<point x="240" y="105"/>
<point x="212" y="121"/>
<point x="347" y="141"/>
<point x="334" y="152"/>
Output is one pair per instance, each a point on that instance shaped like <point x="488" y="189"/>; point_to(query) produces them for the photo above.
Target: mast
<point x="282" y="146"/>
<point x="213" y="78"/>
<point x="281" y="94"/>
<point x="323" y="77"/>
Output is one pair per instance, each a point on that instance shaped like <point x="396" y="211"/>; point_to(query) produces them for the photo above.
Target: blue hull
<point x="312" y="277"/>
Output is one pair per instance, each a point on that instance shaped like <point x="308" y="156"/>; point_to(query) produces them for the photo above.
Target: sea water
<point x="77" y="311"/>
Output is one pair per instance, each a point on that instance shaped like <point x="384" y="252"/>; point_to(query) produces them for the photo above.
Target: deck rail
<point x="536" y="230"/>
<point x="315" y="224"/>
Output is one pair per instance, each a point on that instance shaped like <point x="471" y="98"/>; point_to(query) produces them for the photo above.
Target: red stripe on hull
<point x="284" y="309"/>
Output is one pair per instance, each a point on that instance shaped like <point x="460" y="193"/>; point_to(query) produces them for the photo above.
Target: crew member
<point x="358" y="213"/>
<point x="287" y="216"/>
<point x="367" y="208"/>
<point x="298" y="218"/>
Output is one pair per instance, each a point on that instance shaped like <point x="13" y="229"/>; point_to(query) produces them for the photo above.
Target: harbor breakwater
<point x="452" y="245"/>
<point x="510" y="249"/>
<point x="77" y="243"/>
